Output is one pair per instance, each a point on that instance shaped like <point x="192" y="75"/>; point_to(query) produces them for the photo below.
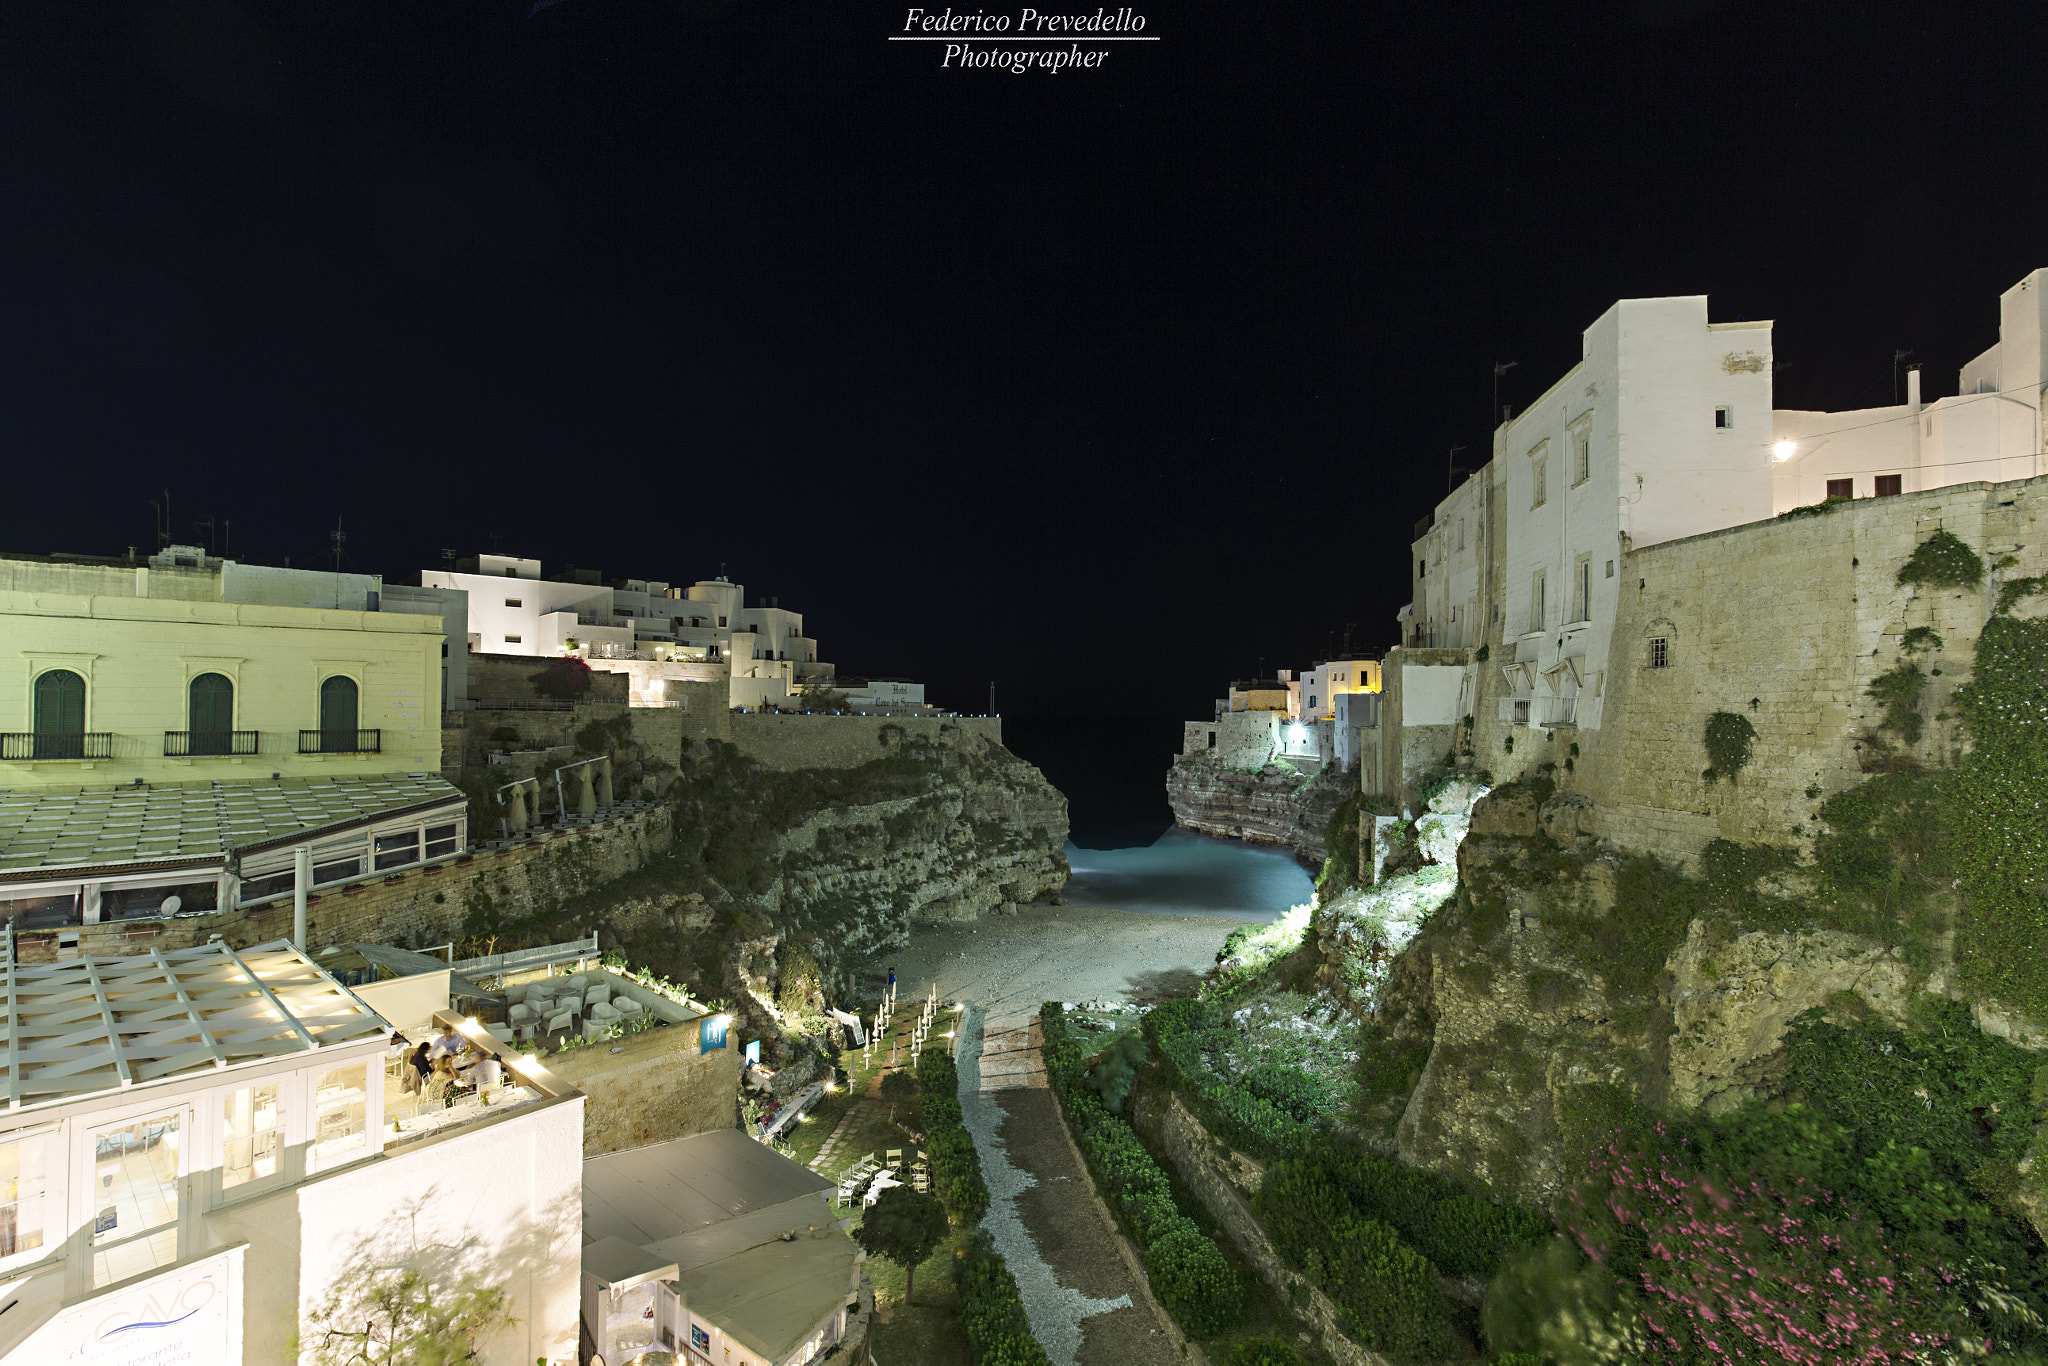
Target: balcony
<point x="193" y="744"/>
<point x="341" y="742"/>
<point x="91" y="744"/>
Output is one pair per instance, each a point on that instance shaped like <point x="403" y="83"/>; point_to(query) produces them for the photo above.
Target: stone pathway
<point x="854" y="1115"/>
<point x="1077" y="1289"/>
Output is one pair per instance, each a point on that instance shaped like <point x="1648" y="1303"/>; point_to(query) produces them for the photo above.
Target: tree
<point x="905" y="1227"/>
<point x="819" y="697"/>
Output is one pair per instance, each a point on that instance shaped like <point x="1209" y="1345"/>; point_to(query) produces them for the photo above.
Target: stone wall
<point x="785" y="743"/>
<point x="498" y="677"/>
<point x="1244" y="740"/>
<point x="414" y="908"/>
<point x="658" y="1087"/>
<point x="1784" y="623"/>
<point x="1224" y="1180"/>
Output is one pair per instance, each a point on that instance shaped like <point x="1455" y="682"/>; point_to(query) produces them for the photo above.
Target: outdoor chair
<point x="895" y="1158"/>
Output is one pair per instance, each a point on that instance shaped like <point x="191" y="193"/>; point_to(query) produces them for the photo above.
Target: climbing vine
<point x="1943" y="560"/>
<point x="1730" y="742"/>
<point x="1898" y="691"/>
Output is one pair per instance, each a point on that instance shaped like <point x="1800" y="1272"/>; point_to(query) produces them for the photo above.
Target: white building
<point x="514" y="610"/>
<point x="1989" y="429"/>
<point x="205" y="1155"/>
<point x="1332" y="678"/>
<point x="1662" y="430"/>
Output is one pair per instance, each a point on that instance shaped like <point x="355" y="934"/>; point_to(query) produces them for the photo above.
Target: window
<point x="210" y="715"/>
<point x="511" y="573"/>
<point x="515" y="602"/>
<point x="1582" y="589"/>
<point x="60" y="715"/>
<point x="135" y="1197"/>
<point x="141" y="903"/>
<point x="515" y="640"/>
<point x="24" y="1171"/>
<point x="1311" y="701"/>
<point x="1889" y="485"/>
<point x="339" y="1117"/>
<point x="1212" y="739"/>
<point x="1537" y="587"/>
<point x="338" y="716"/>
<point x="443" y="840"/>
<point x="1724" y="419"/>
<point x="1660" y="652"/>
<point x="397" y="849"/>
<point x="1582" y="453"/>
<point x="721" y="621"/>
<point x="253" y="1130"/>
<point x="337" y="862"/>
<point x="1521" y="713"/>
<point x="1422" y="569"/>
<point x="40" y="912"/>
<point x="1610" y="569"/>
<point x="1841" y="488"/>
<point x="1542" y="471"/>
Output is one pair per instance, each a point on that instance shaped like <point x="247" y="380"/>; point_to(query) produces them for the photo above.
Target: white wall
<point x="1431" y="694"/>
<point x="503" y="1196"/>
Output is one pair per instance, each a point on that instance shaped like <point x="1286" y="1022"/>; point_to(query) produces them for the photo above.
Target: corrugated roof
<point x="646" y="1195"/>
<point x="101" y="1024"/>
<point x="93" y="827"/>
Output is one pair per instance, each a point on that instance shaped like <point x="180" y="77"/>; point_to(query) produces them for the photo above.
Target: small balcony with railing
<point x="39" y="745"/>
<point x="196" y="744"/>
<point x="341" y="742"/>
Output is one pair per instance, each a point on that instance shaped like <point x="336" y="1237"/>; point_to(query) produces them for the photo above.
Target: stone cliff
<point x="1274" y="805"/>
<point x="777" y="879"/>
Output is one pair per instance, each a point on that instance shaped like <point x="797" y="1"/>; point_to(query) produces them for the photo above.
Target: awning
<point x="407" y="963"/>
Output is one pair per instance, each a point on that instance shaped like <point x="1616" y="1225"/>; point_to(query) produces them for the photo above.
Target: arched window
<point x="60" y="715"/>
<point x="211" y="716"/>
<point x="338" y="715"/>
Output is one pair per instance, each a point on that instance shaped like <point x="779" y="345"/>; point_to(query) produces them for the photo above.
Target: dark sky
<point x="1102" y="385"/>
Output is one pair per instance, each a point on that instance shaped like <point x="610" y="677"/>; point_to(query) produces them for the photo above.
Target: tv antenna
<point x="1500" y="368"/>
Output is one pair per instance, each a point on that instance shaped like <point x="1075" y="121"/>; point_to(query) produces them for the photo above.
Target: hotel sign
<point x="191" y="1313"/>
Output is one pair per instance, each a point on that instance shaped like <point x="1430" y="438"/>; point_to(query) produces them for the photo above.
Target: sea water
<point x="1186" y="874"/>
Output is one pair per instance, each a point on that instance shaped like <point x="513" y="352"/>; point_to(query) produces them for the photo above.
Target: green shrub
<point x="1943" y="560"/>
<point x="1194" y="1280"/>
<point x="1898" y="691"/>
<point x="956" y="1170"/>
<point x="1181" y="1032"/>
<point x="992" y="1315"/>
<point x="1265" y="1353"/>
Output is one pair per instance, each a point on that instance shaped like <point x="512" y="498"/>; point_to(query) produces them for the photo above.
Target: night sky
<point x="1102" y="385"/>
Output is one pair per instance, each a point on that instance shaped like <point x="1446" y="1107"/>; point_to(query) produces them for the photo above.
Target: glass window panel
<point x="338" y="1112"/>
<point x="40" y="912"/>
<point x="135" y="1195"/>
<point x="398" y="849"/>
<point x="443" y="840"/>
<point x="255" y="889"/>
<point x="136" y="903"/>
<point x="24" y="1173"/>
<point x="254" y="1135"/>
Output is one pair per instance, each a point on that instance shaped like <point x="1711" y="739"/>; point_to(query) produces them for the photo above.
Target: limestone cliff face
<point x="1534" y="1013"/>
<point x="1274" y="805"/>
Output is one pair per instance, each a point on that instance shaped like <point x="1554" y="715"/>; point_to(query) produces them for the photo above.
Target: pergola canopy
<point x="88" y="1025"/>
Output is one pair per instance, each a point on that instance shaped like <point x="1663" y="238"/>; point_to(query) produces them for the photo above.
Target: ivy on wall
<point x="1943" y="560"/>
<point x="1731" y="740"/>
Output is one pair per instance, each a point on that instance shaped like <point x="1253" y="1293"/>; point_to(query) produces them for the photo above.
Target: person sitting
<point x="450" y="1044"/>
<point x="418" y="1066"/>
<point x="442" y="1082"/>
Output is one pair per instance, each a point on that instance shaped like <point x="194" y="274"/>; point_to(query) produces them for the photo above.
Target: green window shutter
<point x="213" y="705"/>
<point x="60" y="703"/>
<point x="338" y="713"/>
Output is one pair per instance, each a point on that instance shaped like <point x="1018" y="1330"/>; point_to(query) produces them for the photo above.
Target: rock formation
<point x="1275" y="805"/>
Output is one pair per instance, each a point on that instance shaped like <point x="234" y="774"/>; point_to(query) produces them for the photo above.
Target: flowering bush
<point x="1773" y="1264"/>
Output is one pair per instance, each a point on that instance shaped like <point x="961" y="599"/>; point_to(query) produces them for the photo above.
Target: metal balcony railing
<point x="341" y="742"/>
<point x="91" y="744"/>
<point x="187" y="744"/>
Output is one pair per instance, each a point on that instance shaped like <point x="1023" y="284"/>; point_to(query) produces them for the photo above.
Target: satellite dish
<point x="170" y="906"/>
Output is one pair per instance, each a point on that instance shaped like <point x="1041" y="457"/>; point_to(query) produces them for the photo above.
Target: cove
<point x="1187" y="874"/>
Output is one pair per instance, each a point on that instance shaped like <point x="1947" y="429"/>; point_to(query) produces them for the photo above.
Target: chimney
<point x="776" y="603"/>
<point x="1913" y="388"/>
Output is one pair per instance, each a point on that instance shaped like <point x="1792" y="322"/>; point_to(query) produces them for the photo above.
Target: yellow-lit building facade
<point x="98" y="690"/>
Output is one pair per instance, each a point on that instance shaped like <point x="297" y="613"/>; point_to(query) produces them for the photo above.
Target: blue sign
<point x="711" y="1033"/>
<point x="753" y="1052"/>
<point x="700" y="1339"/>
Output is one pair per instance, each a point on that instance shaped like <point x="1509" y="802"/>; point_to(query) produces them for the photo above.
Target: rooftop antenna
<point x="206" y="527"/>
<point x="336" y="537"/>
<point x="1451" y="468"/>
<point x="448" y="558"/>
<point x="1500" y="367"/>
<point x="991" y="697"/>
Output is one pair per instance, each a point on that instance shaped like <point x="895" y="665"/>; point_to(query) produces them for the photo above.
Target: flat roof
<point x="89" y="1025"/>
<point x="50" y="831"/>
<point x="768" y="1277"/>
<point x="648" y="1195"/>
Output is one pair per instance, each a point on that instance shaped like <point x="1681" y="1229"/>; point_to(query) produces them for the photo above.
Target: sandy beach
<point x="1055" y="953"/>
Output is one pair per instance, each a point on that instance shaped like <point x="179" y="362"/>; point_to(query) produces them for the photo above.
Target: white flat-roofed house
<point x="205" y="1156"/>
